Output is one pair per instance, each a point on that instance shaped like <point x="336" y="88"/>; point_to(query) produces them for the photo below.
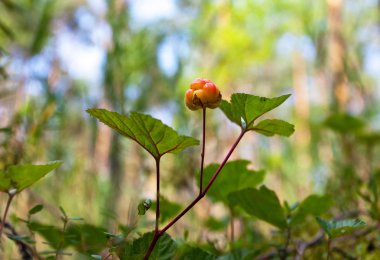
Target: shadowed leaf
<point x="336" y="228"/>
<point x="234" y="176"/>
<point x="261" y="203"/>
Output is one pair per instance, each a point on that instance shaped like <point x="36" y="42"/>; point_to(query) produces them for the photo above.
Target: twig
<point x="195" y="201"/>
<point x="203" y="149"/>
<point x="10" y="197"/>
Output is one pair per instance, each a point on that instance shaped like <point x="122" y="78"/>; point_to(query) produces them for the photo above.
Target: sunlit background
<point x="58" y="58"/>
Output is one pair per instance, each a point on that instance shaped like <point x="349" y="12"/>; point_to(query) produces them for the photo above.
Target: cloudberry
<point x="202" y="93"/>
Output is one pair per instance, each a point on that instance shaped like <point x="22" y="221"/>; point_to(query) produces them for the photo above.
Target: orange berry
<point x="189" y="99"/>
<point x="202" y="93"/>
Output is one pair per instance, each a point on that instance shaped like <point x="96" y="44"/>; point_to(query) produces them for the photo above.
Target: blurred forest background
<point x="58" y="58"/>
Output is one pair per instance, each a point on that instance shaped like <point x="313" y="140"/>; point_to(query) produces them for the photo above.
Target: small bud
<point x="202" y="93"/>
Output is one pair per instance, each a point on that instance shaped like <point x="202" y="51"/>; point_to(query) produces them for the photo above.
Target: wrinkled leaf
<point x="270" y="127"/>
<point x="335" y="228"/>
<point x="249" y="107"/>
<point x="22" y="176"/>
<point x="153" y="135"/>
<point x="234" y="176"/>
<point x="261" y="203"/>
<point x="164" y="250"/>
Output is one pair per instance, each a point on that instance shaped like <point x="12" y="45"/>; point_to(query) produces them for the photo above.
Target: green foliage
<point x="22" y="176"/>
<point x="164" y="249"/>
<point x="335" y="228"/>
<point x="344" y="123"/>
<point x="36" y="209"/>
<point x="262" y="203"/>
<point x="270" y="127"/>
<point x="314" y="205"/>
<point x="154" y="136"/>
<point x="144" y="206"/>
<point x="234" y="176"/>
<point x="168" y="209"/>
<point x="76" y="236"/>
<point x="191" y="253"/>
<point x="244" y="109"/>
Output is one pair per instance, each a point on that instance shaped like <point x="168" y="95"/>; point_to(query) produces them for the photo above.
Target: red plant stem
<point x="203" y="150"/>
<point x="157" y="194"/>
<point x="10" y="197"/>
<point x="195" y="201"/>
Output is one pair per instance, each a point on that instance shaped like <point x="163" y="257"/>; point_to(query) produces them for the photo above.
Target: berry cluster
<point x="202" y="93"/>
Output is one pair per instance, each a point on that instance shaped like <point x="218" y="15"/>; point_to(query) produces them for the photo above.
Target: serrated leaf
<point x="270" y="127"/>
<point x="153" y="135"/>
<point x="234" y="176"/>
<point x="249" y="107"/>
<point x="164" y="250"/>
<point x="262" y="203"/>
<point x="313" y="205"/>
<point x="36" y="209"/>
<point x="335" y="228"/>
<point x="22" y="176"/>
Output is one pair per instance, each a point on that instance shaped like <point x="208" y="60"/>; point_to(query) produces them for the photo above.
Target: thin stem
<point x="10" y="197"/>
<point x="328" y="248"/>
<point x="152" y="244"/>
<point x="223" y="163"/>
<point x="284" y="254"/>
<point x="62" y="240"/>
<point x="203" y="150"/>
<point x="157" y="194"/>
<point x="195" y="201"/>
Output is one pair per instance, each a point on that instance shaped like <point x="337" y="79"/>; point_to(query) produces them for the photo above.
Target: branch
<point x="158" y="234"/>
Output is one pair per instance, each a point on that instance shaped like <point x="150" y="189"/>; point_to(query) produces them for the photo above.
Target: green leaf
<point x="215" y="224"/>
<point x="234" y="176"/>
<point x="261" y="203"/>
<point x="36" y="209"/>
<point x="270" y="127"/>
<point x="168" y="209"/>
<point x="144" y="206"/>
<point x="314" y="205"/>
<point x="237" y="254"/>
<point x="85" y="238"/>
<point x="22" y="176"/>
<point x="193" y="253"/>
<point x="344" y="123"/>
<point x="165" y="248"/>
<point x="154" y="136"/>
<point x="63" y="212"/>
<point x="335" y="228"/>
<point x="247" y="108"/>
